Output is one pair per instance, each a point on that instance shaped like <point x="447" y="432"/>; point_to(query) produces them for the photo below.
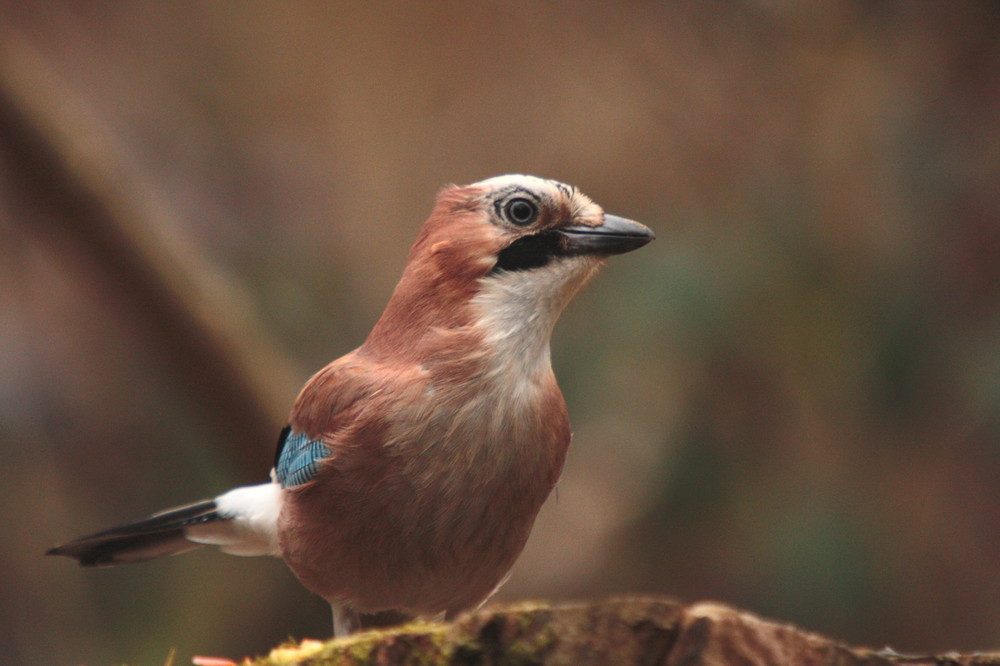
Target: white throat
<point x="518" y="310"/>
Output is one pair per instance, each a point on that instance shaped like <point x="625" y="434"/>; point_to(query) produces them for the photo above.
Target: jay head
<point x="411" y="470"/>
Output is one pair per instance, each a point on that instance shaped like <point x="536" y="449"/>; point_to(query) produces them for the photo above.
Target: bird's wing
<point x="327" y="403"/>
<point x="298" y="457"/>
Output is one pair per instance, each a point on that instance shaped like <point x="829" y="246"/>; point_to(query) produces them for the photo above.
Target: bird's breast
<point x="427" y="510"/>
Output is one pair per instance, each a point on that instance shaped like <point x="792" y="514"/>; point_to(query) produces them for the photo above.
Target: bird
<point x="411" y="470"/>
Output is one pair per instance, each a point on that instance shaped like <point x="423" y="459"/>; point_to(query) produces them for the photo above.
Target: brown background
<point x="789" y="402"/>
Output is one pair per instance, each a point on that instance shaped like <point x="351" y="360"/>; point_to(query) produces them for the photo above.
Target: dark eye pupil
<point x="521" y="211"/>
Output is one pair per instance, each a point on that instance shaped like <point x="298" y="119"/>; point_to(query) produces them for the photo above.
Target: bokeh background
<point x="789" y="402"/>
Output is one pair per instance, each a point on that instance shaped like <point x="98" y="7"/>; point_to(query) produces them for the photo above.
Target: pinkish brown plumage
<point x="412" y="469"/>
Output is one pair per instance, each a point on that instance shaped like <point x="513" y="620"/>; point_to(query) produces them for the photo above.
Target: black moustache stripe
<point x="529" y="252"/>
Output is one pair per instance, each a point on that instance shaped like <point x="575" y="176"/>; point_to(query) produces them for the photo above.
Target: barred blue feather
<point x="297" y="458"/>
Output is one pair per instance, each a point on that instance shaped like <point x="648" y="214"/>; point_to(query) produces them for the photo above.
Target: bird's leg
<point x="345" y="620"/>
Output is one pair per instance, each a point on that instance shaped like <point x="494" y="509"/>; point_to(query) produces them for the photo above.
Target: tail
<point x="243" y="521"/>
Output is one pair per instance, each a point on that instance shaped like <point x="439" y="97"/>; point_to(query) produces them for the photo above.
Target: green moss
<point x="529" y="650"/>
<point x="426" y="644"/>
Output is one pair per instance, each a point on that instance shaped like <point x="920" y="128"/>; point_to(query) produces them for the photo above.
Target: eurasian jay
<point x="411" y="470"/>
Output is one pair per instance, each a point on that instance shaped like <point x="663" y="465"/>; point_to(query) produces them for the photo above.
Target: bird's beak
<point x="615" y="236"/>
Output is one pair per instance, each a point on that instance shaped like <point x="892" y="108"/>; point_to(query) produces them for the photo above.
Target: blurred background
<point x="789" y="402"/>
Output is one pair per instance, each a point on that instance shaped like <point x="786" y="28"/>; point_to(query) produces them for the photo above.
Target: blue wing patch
<point x="298" y="458"/>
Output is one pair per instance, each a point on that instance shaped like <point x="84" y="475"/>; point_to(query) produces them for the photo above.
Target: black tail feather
<point x="160" y="534"/>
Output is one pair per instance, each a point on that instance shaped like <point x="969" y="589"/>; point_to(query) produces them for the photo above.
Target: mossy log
<point x="623" y="631"/>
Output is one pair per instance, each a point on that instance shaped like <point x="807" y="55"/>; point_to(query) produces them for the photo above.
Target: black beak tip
<point x="646" y="237"/>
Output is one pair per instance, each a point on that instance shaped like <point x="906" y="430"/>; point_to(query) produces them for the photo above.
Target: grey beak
<point x="615" y="236"/>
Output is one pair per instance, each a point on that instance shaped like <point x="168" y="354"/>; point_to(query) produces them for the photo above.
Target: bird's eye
<point x="521" y="211"/>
